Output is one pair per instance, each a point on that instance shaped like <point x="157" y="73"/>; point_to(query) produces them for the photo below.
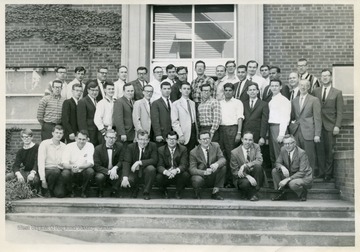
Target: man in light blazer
<point x="86" y="112"/>
<point x="292" y="169"/>
<point x="172" y="165"/>
<point x="207" y="166"/>
<point x="141" y="112"/>
<point x="305" y="123"/>
<point x="332" y="104"/>
<point x="122" y="116"/>
<point x="246" y="167"/>
<point x="140" y="82"/>
<point x="183" y="118"/>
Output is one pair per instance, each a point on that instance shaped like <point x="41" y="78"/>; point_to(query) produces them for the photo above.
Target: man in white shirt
<point x="119" y="84"/>
<point x="294" y="85"/>
<point x="230" y="72"/>
<point x="252" y="67"/>
<point x="219" y="83"/>
<point x="79" y="77"/>
<point x="78" y="161"/>
<point x="103" y="117"/>
<point x="279" y="118"/>
<point x="155" y="83"/>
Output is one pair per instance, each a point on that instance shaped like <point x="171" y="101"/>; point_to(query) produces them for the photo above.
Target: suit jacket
<point x="141" y="115"/>
<point x="122" y="118"/>
<point x="243" y="96"/>
<point x="101" y="158"/>
<point x="138" y="89"/>
<point x="175" y="91"/>
<point x="285" y="91"/>
<point x="308" y="118"/>
<point x="299" y="168"/>
<point x="100" y="96"/>
<point x="161" y="118"/>
<point x="180" y="159"/>
<point x="198" y="161"/>
<point x="238" y="158"/>
<point x="150" y="157"/>
<point x="256" y="119"/>
<point x="69" y="118"/>
<point x="331" y="109"/>
<point x="180" y="118"/>
<point x="85" y="114"/>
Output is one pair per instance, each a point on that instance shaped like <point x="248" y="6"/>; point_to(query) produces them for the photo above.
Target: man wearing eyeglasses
<point x="61" y="74"/>
<point x="292" y="169"/>
<point x="182" y="78"/>
<point x="141" y="113"/>
<point x="207" y="166"/>
<point x="200" y="80"/>
<point x="230" y="76"/>
<point x="100" y="81"/>
<point x="139" y="83"/>
<point x="158" y="74"/>
<point x="302" y="66"/>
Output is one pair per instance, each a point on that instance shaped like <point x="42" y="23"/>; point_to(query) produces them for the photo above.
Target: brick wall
<point x="323" y="34"/>
<point x="35" y="52"/>
<point x="344" y="174"/>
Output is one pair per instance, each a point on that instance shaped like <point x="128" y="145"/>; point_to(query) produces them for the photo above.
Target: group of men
<point x="204" y="133"/>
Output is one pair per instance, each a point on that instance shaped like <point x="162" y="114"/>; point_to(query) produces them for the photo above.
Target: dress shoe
<point x="303" y="195"/>
<point x="197" y="194"/>
<point x="254" y="198"/>
<point x="134" y="193"/>
<point x="165" y="194"/>
<point x="216" y="196"/>
<point x="178" y="195"/>
<point x="281" y="196"/>
<point x="146" y="196"/>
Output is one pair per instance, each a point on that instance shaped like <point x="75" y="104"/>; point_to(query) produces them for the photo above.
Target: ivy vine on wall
<point x="80" y="30"/>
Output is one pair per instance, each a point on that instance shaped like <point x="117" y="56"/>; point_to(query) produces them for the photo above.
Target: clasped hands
<point x="213" y="167"/>
<point x="242" y="174"/>
<point x="113" y="173"/>
<point x="171" y="173"/>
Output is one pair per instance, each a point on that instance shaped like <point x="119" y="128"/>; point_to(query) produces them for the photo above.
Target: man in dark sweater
<point x="25" y="165"/>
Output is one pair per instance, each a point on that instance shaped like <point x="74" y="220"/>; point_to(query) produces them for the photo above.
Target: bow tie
<point x="109" y="148"/>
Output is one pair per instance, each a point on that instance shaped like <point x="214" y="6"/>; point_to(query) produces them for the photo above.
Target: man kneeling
<point x="207" y="166"/>
<point x="292" y="169"/>
<point x="245" y="163"/>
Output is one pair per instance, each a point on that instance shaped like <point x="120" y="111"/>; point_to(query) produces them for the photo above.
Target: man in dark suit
<point x="275" y="75"/>
<point x="172" y="165"/>
<point x="139" y="83"/>
<point x="100" y="81"/>
<point x="140" y="161"/>
<point x="241" y="86"/>
<point x="305" y="122"/>
<point x="332" y="104"/>
<point x="246" y="161"/>
<point x="292" y="169"/>
<point x="69" y="116"/>
<point x="207" y="166"/>
<point x="294" y="85"/>
<point x="122" y="115"/>
<point x="161" y="114"/>
<point x="182" y="78"/>
<point x="86" y="111"/>
<point x="108" y="163"/>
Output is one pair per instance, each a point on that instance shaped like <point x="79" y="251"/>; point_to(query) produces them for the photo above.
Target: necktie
<point x="252" y="104"/>
<point x="189" y="108"/>
<point x="238" y="91"/>
<point x="324" y="96"/>
<point x="292" y="95"/>
<point x="168" y="104"/>
<point x="172" y="157"/>
<point x="250" y="78"/>
<point x="141" y="153"/>
<point x="289" y="160"/>
<point x="149" y="104"/>
<point x="248" y="155"/>
<point x="110" y="151"/>
<point x="207" y="158"/>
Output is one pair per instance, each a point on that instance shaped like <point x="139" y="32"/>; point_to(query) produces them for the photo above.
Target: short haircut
<point x="181" y="68"/>
<point x="287" y="136"/>
<point x="127" y="85"/>
<point x="102" y="67"/>
<point x="230" y="62"/>
<point x="185" y="83"/>
<point x="307" y="82"/>
<point x="205" y="85"/>
<point x="141" y="68"/>
<point x="253" y="84"/>
<point x="60" y="67"/>
<point x="110" y="131"/>
<point x="220" y="66"/>
<point x="229" y="85"/>
<point x="248" y="132"/>
<point x="276" y="80"/>
<point x="26" y="132"/>
<point x="200" y="62"/>
<point x="57" y="127"/>
<point x="242" y="67"/>
<point x="76" y="85"/>
<point x="147" y="85"/>
<point x="263" y="66"/>
<point x="169" y="67"/>
<point x="302" y="59"/>
<point x="108" y="83"/>
<point x="157" y="67"/>
<point x="172" y="133"/>
<point x="56" y="81"/>
<point x="165" y="83"/>
<point x="80" y="69"/>
<point x="83" y="132"/>
<point x="276" y="68"/>
<point x="326" y="70"/>
<point x="122" y="66"/>
<point x="252" y="61"/>
<point x="142" y="133"/>
<point x="203" y="132"/>
<point x="92" y="84"/>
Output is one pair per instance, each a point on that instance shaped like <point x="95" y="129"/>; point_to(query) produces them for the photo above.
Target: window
<point x="24" y="89"/>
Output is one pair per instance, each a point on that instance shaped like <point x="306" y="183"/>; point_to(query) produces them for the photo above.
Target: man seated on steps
<point x="246" y="161"/>
<point x="292" y="169"/>
<point x="207" y="166"/>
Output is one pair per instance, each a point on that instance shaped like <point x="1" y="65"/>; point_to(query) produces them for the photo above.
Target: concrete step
<point x="186" y="222"/>
<point x="317" y="184"/>
<point x="228" y="207"/>
<point x="211" y="237"/>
